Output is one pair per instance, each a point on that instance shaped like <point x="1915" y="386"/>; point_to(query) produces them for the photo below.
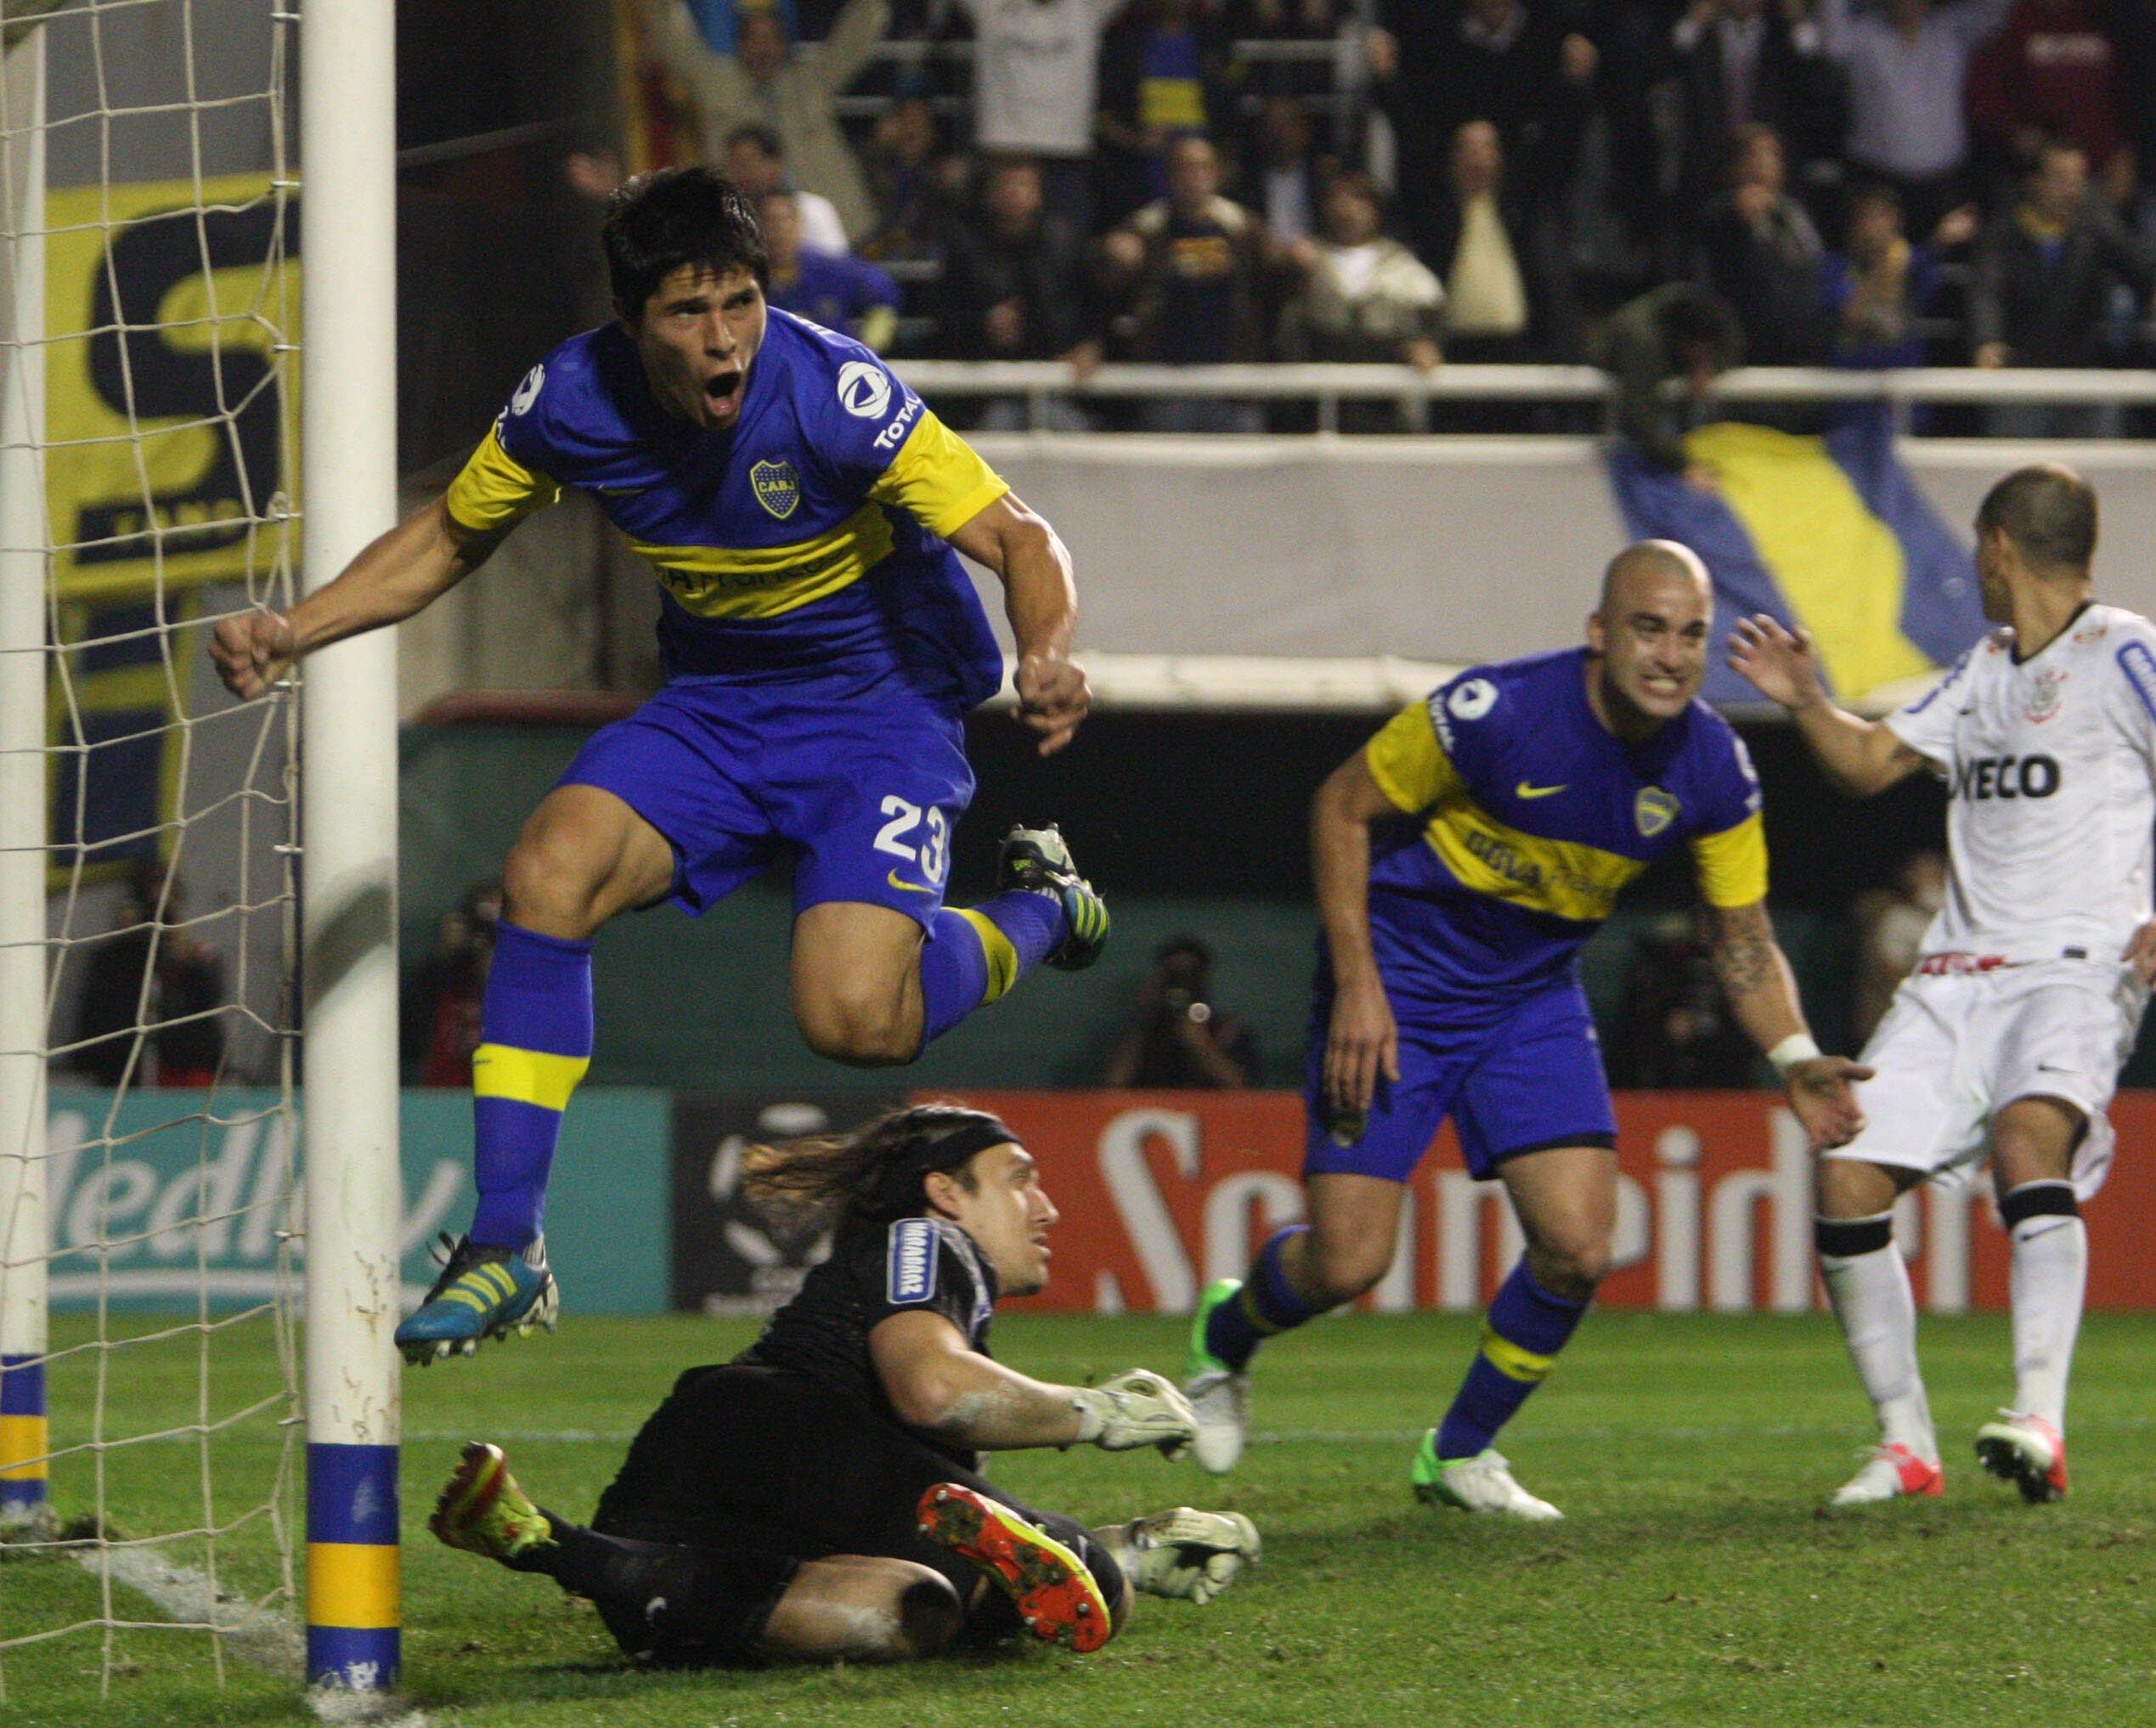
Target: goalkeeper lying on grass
<point x="818" y="1499"/>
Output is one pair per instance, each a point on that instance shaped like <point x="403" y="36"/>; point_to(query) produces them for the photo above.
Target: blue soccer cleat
<point x="481" y="1293"/>
<point x="1037" y="858"/>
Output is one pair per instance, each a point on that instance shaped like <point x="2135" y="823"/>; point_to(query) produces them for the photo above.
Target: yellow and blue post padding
<point x="351" y="1566"/>
<point x="24" y="1439"/>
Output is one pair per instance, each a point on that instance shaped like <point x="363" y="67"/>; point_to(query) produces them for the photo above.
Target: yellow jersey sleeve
<point x="495" y="490"/>
<point x="937" y="479"/>
<point x="1732" y="865"/>
<point x="1408" y="763"/>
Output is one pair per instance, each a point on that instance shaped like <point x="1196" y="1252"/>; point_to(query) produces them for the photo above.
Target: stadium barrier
<point x="156" y="1210"/>
<point x="1162" y="1193"/>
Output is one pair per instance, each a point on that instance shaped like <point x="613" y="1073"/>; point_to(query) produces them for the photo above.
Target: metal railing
<point x="1038" y="383"/>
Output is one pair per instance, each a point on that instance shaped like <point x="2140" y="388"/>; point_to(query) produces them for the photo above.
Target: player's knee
<point x="1344" y="1267"/>
<point x="1848" y="1188"/>
<point x="928" y="1618"/>
<point x="861" y="1026"/>
<point x="548" y="887"/>
<point x="1572" y="1263"/>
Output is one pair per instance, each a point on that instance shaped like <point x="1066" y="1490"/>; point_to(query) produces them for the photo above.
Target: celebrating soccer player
<point x="2004" y="1043"/>
<point x="1534" y="791"/>
<point x="819" y="1499"/>
<point x="822" y="645"/>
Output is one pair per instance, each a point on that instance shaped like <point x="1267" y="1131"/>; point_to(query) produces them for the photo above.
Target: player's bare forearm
<point x="1362" y="1039"/>
<point x="401" y="573"/>
<point x="1755" y="975"/>
<point x="939" y="1386"/>
<point x="1040" y="598"/>
<point x="1860" y="756"/>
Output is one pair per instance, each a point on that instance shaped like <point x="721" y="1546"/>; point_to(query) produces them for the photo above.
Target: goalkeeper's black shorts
<point x="760" y="1469"/>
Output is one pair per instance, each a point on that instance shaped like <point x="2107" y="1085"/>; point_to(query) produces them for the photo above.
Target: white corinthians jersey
<point x="2051" y="763"/>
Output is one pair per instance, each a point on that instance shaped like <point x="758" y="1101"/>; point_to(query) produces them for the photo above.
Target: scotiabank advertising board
<point x="1162" y="1193"/>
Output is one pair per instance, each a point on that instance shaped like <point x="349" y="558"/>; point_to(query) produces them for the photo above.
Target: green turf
<point x="1696" y="1580"/>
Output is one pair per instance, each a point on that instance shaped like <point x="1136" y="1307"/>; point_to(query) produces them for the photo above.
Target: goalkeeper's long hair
<point x="872" y="1176"/>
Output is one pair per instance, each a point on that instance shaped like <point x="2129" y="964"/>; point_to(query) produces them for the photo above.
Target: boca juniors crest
<point x="777" y="487"/>
<point x="1654" y="810"/>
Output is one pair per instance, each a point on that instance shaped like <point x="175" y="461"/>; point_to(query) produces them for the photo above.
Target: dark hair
<point x="2050" y="514"/>
<point x="1692" y="315"/>
<point x="766" y="139"/>
<point x="659" y="222"/>
<point x="872" y="1176"/>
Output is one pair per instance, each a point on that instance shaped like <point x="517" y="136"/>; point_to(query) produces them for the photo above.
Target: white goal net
<point x="148" y="1410"/>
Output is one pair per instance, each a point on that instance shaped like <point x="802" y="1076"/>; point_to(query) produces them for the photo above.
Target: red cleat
<point x="1056" y="1594"/>
<point x="2027" y="1451"/>
<point x="1891" y="1473"/>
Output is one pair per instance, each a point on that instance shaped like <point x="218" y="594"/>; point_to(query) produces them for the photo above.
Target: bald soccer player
<point x="1462" y="859"/>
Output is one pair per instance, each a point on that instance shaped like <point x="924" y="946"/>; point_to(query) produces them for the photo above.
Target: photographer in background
<point x="1177" y="1038"/>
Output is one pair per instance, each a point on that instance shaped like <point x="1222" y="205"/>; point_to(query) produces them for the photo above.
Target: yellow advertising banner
<point x="172" y="381"/>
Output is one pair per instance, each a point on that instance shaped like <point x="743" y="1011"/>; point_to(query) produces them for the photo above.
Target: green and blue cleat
<point x="1218" y="1393"/>
<point x="1039" y="860"/>
<point x="1482" y="1483"/>
<point x="481" y="1293"/>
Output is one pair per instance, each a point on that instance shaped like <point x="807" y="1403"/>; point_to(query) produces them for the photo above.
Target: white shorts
<point x="1954" y="1049"/>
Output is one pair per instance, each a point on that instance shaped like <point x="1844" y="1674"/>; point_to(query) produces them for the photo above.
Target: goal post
<point x="23" y="539"/>
<point x="348" y="838"/>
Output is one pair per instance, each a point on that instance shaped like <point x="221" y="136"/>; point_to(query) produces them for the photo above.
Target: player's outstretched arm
<point x="936" y="1384"/>
<point x="1040" y="597"/>
<point x="1363" y="1042"/>
<point x="400" y="574"/>
<point x="1860" y="756"/>
<point x="1762" y="994"/>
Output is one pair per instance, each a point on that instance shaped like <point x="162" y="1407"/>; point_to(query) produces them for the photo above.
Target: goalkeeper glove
<point x="1137" y="1407"/>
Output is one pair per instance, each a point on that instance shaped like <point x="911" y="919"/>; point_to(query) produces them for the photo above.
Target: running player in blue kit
<point x="1532" y="791"/>
<point x="822" y="645"/>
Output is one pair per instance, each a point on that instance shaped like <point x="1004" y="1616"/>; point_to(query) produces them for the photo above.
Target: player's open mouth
<point x="722" y="391"/>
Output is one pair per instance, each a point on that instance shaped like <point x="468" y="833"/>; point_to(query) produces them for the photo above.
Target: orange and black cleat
<point x="1055" y="1594"/>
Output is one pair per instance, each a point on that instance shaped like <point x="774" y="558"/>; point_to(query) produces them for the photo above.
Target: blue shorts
<point x="862" y="789"/>
<point x="1517" y="1075"/>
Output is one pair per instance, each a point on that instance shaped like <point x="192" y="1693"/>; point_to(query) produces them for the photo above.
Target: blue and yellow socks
<point x="1525" y="1329"/>
<point x="535" y="1043"/>
<point x="975" y="954"/>
<point x="1267" y="1305"/>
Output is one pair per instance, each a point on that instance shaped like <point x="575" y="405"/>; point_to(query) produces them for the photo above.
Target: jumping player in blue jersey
<point x="822" y="645"/>
<point x="1462" y="859"/>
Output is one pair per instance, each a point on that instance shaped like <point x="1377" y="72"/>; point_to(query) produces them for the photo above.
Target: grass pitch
<point x="1696" y="1579"/>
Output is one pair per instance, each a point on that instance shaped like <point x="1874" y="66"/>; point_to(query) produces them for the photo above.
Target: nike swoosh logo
<point x="910" y="887"/>
<point x="1524" y="790"/>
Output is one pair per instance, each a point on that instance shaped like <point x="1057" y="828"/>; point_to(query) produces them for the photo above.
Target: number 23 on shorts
<point x="898" y="836"/>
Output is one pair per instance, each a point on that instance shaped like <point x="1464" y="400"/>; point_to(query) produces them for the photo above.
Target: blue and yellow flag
<point x="1829" y="532"/>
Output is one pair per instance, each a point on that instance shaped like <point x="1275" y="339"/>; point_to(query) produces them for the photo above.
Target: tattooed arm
<point x="1762" y="994"/>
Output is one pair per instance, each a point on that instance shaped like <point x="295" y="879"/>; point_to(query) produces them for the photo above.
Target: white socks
<point x="1877" y="1310"/>
<point x="2049" y="1279"/>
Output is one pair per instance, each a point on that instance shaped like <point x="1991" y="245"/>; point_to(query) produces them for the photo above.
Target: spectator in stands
<point x="2041" y="287"/>
<point x="755" y="161"/>
<point x="1191" y="267"/>
<point x="1363" y="296"/>
<point x="762" y="82"/>
<point x="1177" y="1037"/>
<point x="1908" y="63"/>
<point x="151" y="973"/>
<point x="1438" y="64"/>
<point x="1742" y="63"/>
<point x="827" y="288"/>
<point x="1165" y="74"/>
<point x="1674" y="1030"/>
<point x="1891" y="922"/>
<point x="1283" y="176"/>
<point x="2053" y="72"/>
<point x="918" y="185"/>
<point x="1036" y="81"/>
<point x="1760" y="253"/>
<point x="1879" y="284"/>
<point x="1681" y="331"/>
<point x="1015" y="287"/>
<point x="2133" y="29"/>
<point x="1284" y="20"/>
<point x="443" y="1003"/>
<point x="1507" y="298"/>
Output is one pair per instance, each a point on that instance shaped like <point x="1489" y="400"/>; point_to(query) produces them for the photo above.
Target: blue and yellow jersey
<point x="805" y="542"/>
<point x="1529" y="816"/>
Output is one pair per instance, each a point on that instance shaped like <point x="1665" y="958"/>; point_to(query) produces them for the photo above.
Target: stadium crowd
<point x="1187" y="180"/>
